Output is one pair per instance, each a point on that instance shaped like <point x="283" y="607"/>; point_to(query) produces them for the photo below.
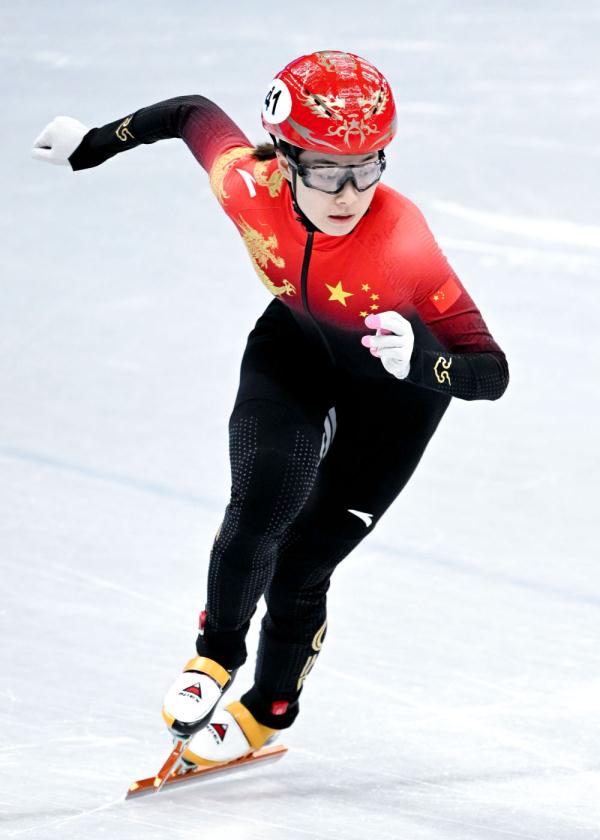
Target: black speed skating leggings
<point x="308" y="445"/>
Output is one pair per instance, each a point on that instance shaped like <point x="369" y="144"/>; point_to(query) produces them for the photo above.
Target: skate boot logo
<point x="218" y="731"/>
<point x="192" y="691"/>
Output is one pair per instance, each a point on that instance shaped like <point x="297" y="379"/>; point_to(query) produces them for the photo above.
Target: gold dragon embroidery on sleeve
<point x="262" y="250"/>
<point x="221" y="167"/>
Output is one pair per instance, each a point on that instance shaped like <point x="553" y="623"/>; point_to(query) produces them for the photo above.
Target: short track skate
<point x="174" y="772"/>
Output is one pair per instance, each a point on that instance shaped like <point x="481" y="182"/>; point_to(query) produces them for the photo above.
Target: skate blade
<point x="170" y="766"/>
<point x="264" y="756"/>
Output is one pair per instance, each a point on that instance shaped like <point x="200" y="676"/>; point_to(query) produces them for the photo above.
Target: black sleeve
<point x="205" y="127"/>
<point x="468" y="376"/>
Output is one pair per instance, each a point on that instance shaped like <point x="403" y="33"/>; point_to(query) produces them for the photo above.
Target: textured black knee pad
<point x="274" y="461"/>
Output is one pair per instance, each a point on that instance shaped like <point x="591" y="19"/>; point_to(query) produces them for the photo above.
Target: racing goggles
<point x="331" y="179"/>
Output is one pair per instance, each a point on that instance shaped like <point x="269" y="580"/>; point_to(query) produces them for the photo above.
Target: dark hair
<point x="263" y="151"/>
<point x="266" y="151"/>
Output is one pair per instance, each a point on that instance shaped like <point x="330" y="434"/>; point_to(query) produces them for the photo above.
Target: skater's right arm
<point x="204" y="127"/>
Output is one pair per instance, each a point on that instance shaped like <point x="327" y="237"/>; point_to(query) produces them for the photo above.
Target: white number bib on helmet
<point x="278" y="102"/>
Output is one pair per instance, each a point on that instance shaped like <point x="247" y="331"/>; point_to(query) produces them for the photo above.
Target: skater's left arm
<point x="473" y="366"/>
<point x="472" y="375"/>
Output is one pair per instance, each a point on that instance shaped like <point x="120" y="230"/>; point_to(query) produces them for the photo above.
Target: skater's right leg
<point x="276" y="432"/>
<point x="274" y="453"/>
<point x="274" y="450"/>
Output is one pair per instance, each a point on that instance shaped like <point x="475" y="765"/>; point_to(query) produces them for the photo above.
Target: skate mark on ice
<point x="125" y="815"/>
<point x="465" y="717"/>
<point x="515" y="255"/>
<point x="540" y="142"/>
<point x="452" y="564"/>
<point x="405" y="812"/>
<point x="428" y="714"/>
<point x="520" y="744"/>
<point x="579" y="235"/>
<point x="131" y="483"/>
<point x="8" y="694"/>
<point x="425" y="788"/>
<point x="64" y="820"/>
<point x="78" y="740"/>
<point x="378" y="689"/>
<point x="452" y="793"/>
<point x="513" y="693"/>
<point x="101" y="583"/>
<point x="288" y="827"/>
<point x="433" y="713"/>
<point x="501" y="832"/>
<point x="66" y="575"/>
<point x="447" y="782"/>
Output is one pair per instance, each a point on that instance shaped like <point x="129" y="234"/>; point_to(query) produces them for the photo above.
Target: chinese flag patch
<point x="446" y="295"/>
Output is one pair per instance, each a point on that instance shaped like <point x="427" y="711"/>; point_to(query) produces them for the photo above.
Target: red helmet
<point x="332" y="101"/>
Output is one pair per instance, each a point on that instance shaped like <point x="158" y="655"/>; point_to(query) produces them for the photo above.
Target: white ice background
<point x="458" y="694"/>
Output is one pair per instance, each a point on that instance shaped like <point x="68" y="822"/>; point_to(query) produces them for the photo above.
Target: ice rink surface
<point x="458" y="694"/>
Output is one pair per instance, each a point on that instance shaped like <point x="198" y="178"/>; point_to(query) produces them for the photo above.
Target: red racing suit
<point x="390" y="261"/>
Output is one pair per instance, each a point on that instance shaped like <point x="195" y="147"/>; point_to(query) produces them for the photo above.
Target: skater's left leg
<point x="380" y="440"/>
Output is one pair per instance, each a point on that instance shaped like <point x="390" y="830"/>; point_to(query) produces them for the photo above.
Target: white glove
<point x="58" y="140"/>
<point x="393" y="342"/>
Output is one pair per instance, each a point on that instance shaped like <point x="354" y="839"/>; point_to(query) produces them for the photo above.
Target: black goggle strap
<point x="291" y="157"/>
